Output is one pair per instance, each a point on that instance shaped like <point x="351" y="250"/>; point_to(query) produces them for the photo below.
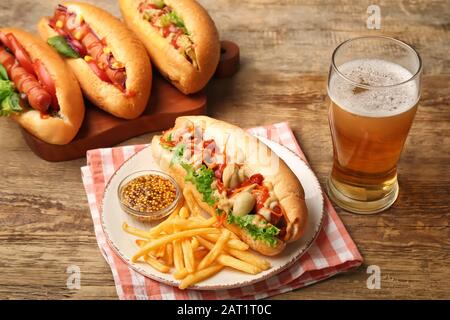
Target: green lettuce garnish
<point x="10" y="105"/>
<point x="6" y="89"/>
<point x="202" y="178"/>
<point x="266" y="233"/>
<point x="60" y="44"/>
<point x="3" y="73"/>
<point x="9" y="98"/>
<point x="172" y="18"/>
<point x="178" y="153"/>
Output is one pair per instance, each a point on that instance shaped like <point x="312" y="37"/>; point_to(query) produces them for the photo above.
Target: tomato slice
<point x="165" y="32"/>
<point x="256" y="178"/>
<point x="5" y="40"/>
<point x="20" y="54"/>
<point x="175" y="39"/>
<point x="99" y="72"/>
<point x="47" y="82"/>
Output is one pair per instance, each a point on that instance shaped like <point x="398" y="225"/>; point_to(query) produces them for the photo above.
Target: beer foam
<point x="377" y="102"/>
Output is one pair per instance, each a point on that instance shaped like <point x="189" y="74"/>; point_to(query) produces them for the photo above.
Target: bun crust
<point x="54" y="130"/>
<point x="168" y="60"/>
<point x="286" y="186"/>
<point x="127" y="49"/>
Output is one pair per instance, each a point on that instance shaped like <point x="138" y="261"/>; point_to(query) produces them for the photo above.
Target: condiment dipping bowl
<point x="148" y="195"/>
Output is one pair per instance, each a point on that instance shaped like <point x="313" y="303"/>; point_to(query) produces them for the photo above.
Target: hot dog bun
<point x="286" y="186"/>
<point x="174" y="66"/>
<point x="54" y="130"/>
<point x="126" y="47"/>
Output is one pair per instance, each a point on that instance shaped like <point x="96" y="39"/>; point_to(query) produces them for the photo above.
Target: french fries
<point x="250" y="258"/>
<point x="199" y="276"/>
<point x="193" y="248"/>
<point x="230" y="261"/>
<point x="178" y="260"/>
<point x="188" y="255"/>
<point x="232" y="243"/>
<point x="184" y="213"/>
<point x="155" y="263"/>
<point x="136" y="232"/>
<point x="191" y="203"/>
<point x="169" y="238"/>
<point x="168" y="257"/>
<point x="152" y="261"/>
<point x="215" y="250"/>
<point x="237" y="264"/>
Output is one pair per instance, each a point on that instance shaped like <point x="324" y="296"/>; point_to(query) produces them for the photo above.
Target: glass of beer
<point x="374" y="88"/>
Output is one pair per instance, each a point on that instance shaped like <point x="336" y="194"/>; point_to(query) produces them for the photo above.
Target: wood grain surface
<point x="285" y="46"/>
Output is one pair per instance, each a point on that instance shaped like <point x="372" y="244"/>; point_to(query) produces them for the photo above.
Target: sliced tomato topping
<point x="165" y="32"/>
<point x="99" y="72"/>
<point x="5" y="40"/>
<point x="254" y="179"/>
<point x="175" y="39"/>
<point x="20" y="53"/>
<point x="47" y="82"/>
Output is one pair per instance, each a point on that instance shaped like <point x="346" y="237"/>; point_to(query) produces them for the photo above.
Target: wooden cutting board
<point x="101" y="129"/>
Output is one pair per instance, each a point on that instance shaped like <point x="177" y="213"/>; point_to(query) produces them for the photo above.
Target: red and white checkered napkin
<point x="333" y="251"/>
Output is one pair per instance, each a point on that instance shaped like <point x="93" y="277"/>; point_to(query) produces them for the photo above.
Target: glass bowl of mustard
<point x="148" y="195"/>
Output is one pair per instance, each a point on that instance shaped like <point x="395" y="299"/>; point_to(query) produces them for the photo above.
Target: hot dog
<point x="26" y="82"/>
<point x="237" y="178"/>
<point x="38" y="90"/>
<point x="109" y="61"/>
<point x="180" y="37"/>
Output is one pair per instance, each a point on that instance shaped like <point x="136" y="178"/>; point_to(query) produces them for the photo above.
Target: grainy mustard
<point x="149" y="193"/>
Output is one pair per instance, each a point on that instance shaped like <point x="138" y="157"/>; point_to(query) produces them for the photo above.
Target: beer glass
<point x="374" y="88"/>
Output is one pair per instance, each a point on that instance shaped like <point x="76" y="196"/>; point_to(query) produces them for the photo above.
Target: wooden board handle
<point x="229" y="59"/>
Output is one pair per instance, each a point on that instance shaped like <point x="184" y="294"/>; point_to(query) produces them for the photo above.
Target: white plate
<point x="124" y="244"/>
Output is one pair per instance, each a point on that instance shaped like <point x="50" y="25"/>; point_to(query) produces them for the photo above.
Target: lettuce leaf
<point x="60" y="44"/>
<point x="6" y="89"/>
<point x="9" y="98"/>
<point x="178" y="153"/>
<point x="202" y="180"/>
<point x="172" y="18"/>
<point x="267" y="233"/>
<point x="3" y="73"/>
<point x="10" y="105"/>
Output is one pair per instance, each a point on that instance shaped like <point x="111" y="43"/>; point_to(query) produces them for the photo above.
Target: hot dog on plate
<point x="234" y="176"/>
<point x="107" y="58"/>
<point x="37" y="89"/>
<point x="180" y="37"/>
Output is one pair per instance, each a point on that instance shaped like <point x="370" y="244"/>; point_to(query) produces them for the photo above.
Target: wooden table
<point x="286" y="48"/>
